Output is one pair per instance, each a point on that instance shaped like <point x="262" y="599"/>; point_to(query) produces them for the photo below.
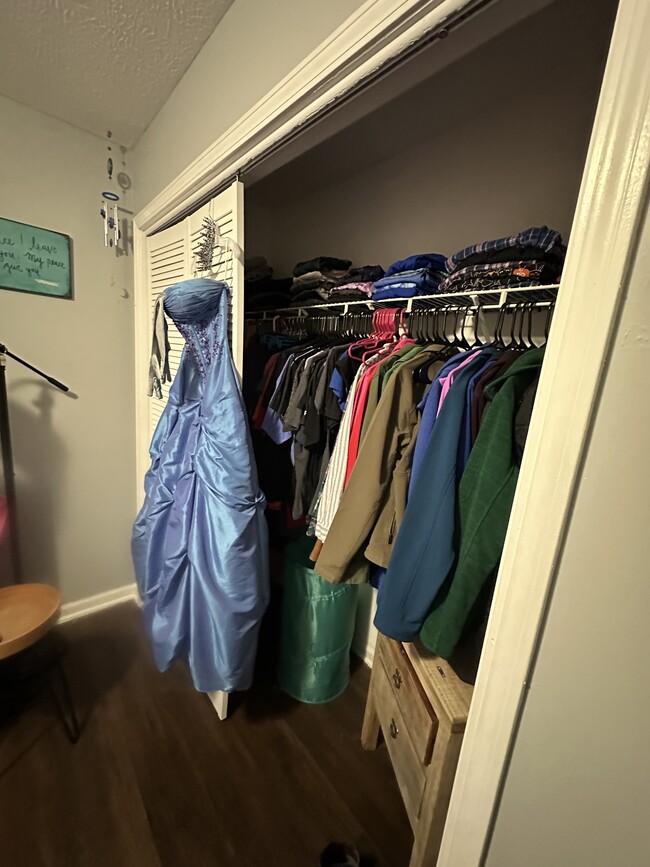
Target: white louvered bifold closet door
<point x="227" y="263"/>
<point x="168" y="262"/>
<point x="171" y="258"/>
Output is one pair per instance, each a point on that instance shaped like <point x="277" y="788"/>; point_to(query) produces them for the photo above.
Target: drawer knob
<point x="394" y="731"/>
<point x="397" y="679"/>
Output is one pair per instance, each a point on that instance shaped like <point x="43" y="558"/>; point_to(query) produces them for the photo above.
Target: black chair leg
<point x="64" y="703"/>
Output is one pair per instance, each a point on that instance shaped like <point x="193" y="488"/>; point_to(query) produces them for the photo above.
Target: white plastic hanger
<point x="213" y="240"/>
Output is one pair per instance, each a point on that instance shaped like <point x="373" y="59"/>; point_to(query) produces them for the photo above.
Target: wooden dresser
<point x="421" y="705"/>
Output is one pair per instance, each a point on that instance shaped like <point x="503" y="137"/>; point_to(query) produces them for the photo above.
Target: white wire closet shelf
<point x="485" y="298"/>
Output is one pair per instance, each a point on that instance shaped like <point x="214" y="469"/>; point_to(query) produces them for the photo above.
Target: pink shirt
<point x="360" y="402"/>
<point x="447" y="381"/>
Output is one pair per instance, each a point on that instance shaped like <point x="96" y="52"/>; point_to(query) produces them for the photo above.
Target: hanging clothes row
<point x="403" y="447"/>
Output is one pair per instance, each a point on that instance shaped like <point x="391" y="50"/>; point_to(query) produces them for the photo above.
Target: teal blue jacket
<point x="424" y="550"/>
<point x="485" y="496"/>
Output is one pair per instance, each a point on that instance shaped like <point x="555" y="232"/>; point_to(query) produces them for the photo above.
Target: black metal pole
<point x="50" y="379"/>
<point x="8" y="472"/>
<point x="7" y="455"/>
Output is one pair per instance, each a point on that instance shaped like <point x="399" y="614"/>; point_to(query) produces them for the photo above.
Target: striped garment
<point x="545" y="239"/>
<point x="501" y="275"/>
<point x="335" y="478"/>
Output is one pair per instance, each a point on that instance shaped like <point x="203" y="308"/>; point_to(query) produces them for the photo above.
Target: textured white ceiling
<point x="101" y="64"/>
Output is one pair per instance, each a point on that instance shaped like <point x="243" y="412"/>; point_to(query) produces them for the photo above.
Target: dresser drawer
<point x="408" y="767"/>
<point x="410" y="697"/>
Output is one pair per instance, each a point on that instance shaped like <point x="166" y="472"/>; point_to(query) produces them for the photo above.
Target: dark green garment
<point x="485" y="498"/>
<point x="396" y="361"/>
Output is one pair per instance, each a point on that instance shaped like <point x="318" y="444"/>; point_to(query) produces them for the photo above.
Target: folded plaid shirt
<point x="500" y="275"/>
<point x="547" y="240"/>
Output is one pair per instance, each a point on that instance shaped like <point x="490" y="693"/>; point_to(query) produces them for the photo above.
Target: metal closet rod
<point x="513" y="327"/>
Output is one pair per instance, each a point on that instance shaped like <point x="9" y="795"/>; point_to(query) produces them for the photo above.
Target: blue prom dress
<point x="200" y="541"/>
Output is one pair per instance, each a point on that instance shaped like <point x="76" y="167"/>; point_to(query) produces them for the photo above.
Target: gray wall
<point x="447" y="163"/>
<point x="75" y="459"/>
<point x="254" y="46"/>
<point x="578" y="787"/>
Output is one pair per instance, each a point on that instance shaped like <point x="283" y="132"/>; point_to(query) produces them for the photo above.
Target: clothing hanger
<point x="547" y="324"/>
<point x="420" y="329"/>
<point x="498" y="329"/>
<point x="380" y="335"/>
<point x="453" y="314"/>
<point x="460" y="340"/>
<point x="415" y="326"/>
<point x="392" y="324"/>
<point x="514" y="312"/>
<point x="424" y="320"/>
<point x="212" y="240"/>
<point x="430" y="325"/>
<point x="364" y="342"/>
<point x="432" y="333"/>
<point x="476" y="343"/>
<point x="446" y="339"/>
<point x="530" y="309"/>
<point x="522" y="343"/>
<point x="387" y="332"/>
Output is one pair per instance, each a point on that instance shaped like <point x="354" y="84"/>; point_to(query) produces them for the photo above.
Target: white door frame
<point x="611" y="206"/>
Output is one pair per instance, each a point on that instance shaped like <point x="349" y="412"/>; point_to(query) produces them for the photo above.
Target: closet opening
<point x="472" y="149"/>
<point x="466" y="142"/>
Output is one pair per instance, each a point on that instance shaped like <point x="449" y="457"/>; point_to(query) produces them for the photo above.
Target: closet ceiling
<point x="468" y="87"/>
<point x="101" y="64"/>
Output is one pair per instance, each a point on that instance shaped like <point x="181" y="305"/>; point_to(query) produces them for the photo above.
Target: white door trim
<point x="609" y="212"/>
<point x="142" y="314"/>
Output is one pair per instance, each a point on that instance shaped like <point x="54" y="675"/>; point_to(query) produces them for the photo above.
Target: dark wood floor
<point x="157" y="781"/>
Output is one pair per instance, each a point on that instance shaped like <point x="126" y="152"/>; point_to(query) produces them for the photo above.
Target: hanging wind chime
<point x="109" y="209"/>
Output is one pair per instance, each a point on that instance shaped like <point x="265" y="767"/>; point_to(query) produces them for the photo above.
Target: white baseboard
<point x="129" y="592"/>
<point x="73" y="610"/>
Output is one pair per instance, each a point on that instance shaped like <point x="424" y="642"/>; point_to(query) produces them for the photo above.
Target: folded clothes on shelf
<point x="267" y="293"/>
<point x="538" y="243"/>
<point x="429" y="261"/>
<point x="322" y="263"/>
<point x="257" y="268"/>
<point x="501" y="275"/>
<point x="358" y="290"/>
<point x="315" y="295"/>
<point x="316" y="280"/>
<point x="362" y="274"/>
<point x="406" y="284"/>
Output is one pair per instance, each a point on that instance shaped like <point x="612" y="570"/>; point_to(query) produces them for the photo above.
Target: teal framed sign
<point x="35" y="260"/>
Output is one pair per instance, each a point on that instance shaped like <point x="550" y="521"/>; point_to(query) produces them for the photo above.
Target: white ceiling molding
<point x="102" y="64"/>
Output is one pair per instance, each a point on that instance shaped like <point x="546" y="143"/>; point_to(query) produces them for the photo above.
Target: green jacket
<point x="485" y="497"/>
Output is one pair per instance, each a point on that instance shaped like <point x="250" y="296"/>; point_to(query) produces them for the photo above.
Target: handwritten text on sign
<point x="34" y="260"/>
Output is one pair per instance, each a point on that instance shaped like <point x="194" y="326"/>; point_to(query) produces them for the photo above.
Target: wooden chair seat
<point x="27" y="613"/>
